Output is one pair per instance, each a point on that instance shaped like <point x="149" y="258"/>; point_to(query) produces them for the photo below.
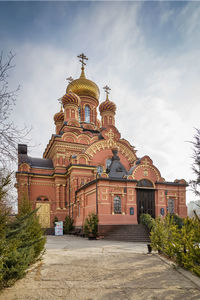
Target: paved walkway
<point x="77" y="269"/>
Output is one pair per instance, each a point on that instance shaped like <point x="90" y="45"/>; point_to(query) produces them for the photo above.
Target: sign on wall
<point x="162" y="211"/>
<point x="132" y="211"/>
<point x="59" y="228"/>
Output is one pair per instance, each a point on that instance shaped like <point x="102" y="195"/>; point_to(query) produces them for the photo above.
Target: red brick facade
<point x="66" y="181"/>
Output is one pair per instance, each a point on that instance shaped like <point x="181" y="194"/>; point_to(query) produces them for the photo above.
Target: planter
<point x="91" y="237"/>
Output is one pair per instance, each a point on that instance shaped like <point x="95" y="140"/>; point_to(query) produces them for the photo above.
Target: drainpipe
<point x="69" y="197"/>
<point x="28" y="189"/>
<point x="96" y="196"/>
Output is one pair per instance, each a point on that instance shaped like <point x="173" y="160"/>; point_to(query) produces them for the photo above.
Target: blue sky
<point x="147" y="52"/>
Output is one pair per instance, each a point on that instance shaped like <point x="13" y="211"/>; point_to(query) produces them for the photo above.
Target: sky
<point x="147" y="52"/>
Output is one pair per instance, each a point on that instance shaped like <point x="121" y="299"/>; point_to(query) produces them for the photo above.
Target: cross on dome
<point x="70" y="79"/>
<point x="60" y="101"/>
<point x="107" y="90"/>
<point x="82" y="57"/>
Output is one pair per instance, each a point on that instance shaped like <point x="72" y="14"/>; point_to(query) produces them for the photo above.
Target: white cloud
<point x="166" y="16"/>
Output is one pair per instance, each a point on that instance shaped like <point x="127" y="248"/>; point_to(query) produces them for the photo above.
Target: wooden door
<point x="44" y="214"/>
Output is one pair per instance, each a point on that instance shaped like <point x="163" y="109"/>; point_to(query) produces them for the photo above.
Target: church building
<point x="88" y="167"/>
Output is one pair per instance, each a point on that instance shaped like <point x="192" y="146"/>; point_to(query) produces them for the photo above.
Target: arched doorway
<point x="43" y="212"/>
<point x="145" y="198"/>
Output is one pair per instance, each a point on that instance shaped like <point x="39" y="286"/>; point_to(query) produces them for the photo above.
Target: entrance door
<point x="44" y="214"/>
<point x="145" y="202"/>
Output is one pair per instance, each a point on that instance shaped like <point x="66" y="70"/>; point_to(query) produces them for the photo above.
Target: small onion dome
<point x="70" y="98"/>
<point x="59" y="116"/>
<point x="107" y="106"/>
<point x="83" y="87"/>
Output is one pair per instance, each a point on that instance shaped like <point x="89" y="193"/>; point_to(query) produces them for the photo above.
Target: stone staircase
<point x="128" y="233"/>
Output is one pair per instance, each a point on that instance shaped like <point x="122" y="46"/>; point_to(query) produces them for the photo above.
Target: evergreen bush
<point x="178" y="220"/>
<point x="21" y="244"/>
<point x="68" y="225"/>
<point x="147" y="220"/>
<point x="181" y="244"/>
<point x="91" y="225"/>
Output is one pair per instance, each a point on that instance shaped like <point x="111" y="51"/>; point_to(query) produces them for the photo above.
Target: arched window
<point x="171" y="206"/>
<point x="42" y="198"/>
<point x="117" y="205"/>
<point x="105" y="120"/>
<point x="144" y="183"/>
<point x="87" y="114"/>
<point x="79" y="114"/>
<point x="72" y="114"/>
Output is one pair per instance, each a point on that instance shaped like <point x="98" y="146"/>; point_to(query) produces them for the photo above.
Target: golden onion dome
<point x="70" y="98"/>
<point x="107" y="106"/>
<point x="83" y="87"/>
<point x="59" y="116"/>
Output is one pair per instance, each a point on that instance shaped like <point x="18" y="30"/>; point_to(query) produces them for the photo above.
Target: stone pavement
<point x="75" y="268"/>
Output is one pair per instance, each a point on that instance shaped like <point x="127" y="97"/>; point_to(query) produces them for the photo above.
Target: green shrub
<point x="68" y="225"/>
<point x="177" y="220"/>
<point x="181" y="244"/>
<point x="33" y="234"/>
<point x="190" y="240"/>
<point x="91" y="225"/>
<point x="22" y="243"/>
<point x="4" y="210"/>
<point x="147" y="220"/>
<point x="157" y="235"/>
<point x="165" y="235"/>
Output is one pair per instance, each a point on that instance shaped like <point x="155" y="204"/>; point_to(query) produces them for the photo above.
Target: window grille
<point x="117" y="205"/>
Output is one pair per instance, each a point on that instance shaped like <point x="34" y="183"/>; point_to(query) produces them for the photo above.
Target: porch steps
<point x="128" y="233"/>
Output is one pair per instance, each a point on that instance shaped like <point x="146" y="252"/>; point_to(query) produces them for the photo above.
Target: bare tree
<point x="195" y="184"/>
<point x="10" y="135"/>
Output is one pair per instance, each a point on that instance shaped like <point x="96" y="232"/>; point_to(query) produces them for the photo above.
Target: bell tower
<point x="89" y="93"/>
<point x="107" y="110"/>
